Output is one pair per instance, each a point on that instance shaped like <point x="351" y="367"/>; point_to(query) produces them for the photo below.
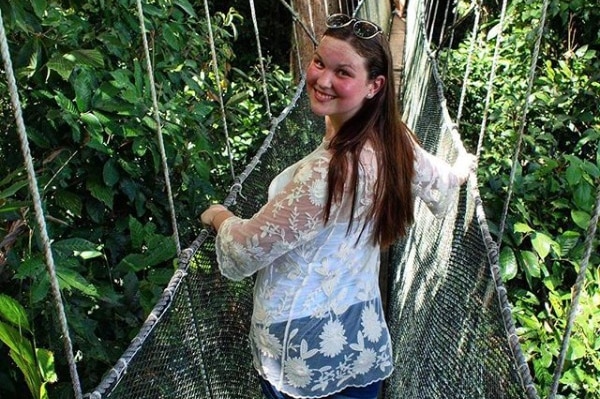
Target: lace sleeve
<point x="436" y="182"/>
<point x="292" y="217"/>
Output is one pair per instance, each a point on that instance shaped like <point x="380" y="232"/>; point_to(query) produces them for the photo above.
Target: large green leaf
<point x="542" y="244"/>
<point x="92" y="57"/>
<point x="13" y="312"/>
<point x="93" y="124"/>
<point x="13" y="189"/>
<point x="37" y="365"/>
<point x="84" y="85"/>
<point x="531" y="263"/>
<point x="583" y="196"/>
<point x="46" y="364"/>
<point x="101" y="192"/>
<point x="21" y="351"/>
<point x="69" y="201"/>
<point x="62" y="64"/>
<point x="39" y="7"/>
<point x="73" y="246"/>
<point x="576" y="350"/>
<point x="186" y="6"/>
<point x="137" y="233"/>
<point x="159" y="250"/>
<point x="508" y="264"/>
<point x="70" y="279"/>
<point x="110" y="172"/>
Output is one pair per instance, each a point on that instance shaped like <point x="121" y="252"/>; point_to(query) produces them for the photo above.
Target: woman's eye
<point x="318" y="63"/>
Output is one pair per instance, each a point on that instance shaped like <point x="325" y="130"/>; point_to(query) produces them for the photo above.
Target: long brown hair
<point x="378" y="122"/>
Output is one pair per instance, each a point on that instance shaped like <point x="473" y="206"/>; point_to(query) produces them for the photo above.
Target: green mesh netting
<point x="447" y="310"/>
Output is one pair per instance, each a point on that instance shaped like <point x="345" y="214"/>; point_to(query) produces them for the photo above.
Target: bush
<point x="89" y="117"/>
<point x="556" y="176"/>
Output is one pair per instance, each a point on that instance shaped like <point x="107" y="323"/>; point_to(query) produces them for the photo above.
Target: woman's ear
<point x="377" y="84"/>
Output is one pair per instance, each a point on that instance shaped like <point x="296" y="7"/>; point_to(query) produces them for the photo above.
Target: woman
<point x="318" y="328"/>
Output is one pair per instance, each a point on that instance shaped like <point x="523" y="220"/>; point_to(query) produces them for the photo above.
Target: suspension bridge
<point x="453" y="333"/>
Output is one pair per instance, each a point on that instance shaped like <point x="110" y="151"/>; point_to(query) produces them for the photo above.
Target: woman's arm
<point x="436" y="182"/>
<point x="292" y="217"/>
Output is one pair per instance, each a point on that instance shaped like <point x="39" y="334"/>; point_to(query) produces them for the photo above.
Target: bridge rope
<point x="492" y="78"/>
<point x="300" y="22"/>
<point x="463" y="93"/>
<point x="217" y="80"/>
<point x="159" y="136"/>
<point x="577" y="290"/>
<point x="523" y="121"/>
<point x="263" y="73"/>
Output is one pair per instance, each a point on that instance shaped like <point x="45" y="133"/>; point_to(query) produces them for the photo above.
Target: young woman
<point x="318" y="329"/>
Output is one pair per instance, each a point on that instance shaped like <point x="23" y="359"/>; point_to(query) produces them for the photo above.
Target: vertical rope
<point x="297" y="19"/>
<point x="39" y="212"/>
<point x="577" y="288"/>
<point x="492" y="78"/>
<point x="431" y="21"/>
<point x="311" y="16"/>
<point x="356" y="9"/>
<point x="444" y="24"/>
<point x="326" y="7"/>
<point x="452" y="26"/>
<point x="297" y="53"/>
<point x="260" y="60"/>
<point x="215" y="64"/>
<point x="532" y="73"/>
<point x="161" y="144"/>
<point x="467" y="75"/>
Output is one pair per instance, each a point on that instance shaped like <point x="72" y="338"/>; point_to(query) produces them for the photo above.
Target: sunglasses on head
<point x="362" y="28"/>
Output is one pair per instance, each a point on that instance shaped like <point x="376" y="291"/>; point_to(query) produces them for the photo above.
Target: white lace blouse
<point x="318" y="325"/>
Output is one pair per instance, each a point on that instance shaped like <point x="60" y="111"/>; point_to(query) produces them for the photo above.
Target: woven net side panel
<point x="198" y="346"/>
<point x="444" y="312"/>
<point x="193" y="350"/>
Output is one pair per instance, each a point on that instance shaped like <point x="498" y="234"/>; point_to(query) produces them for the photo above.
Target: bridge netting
<point x="447" y="309"/>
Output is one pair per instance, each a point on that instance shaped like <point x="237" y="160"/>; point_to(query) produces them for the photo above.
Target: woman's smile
<point x="323" y="97"/>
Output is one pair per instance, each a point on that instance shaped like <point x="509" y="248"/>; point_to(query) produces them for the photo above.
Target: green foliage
<point x="88" y="111"/>
<point x="36" y="364"/>
<point x="555" y="178"/>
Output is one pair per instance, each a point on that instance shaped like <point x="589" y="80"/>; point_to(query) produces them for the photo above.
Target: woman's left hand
<point x="208" y="216"/>
<point x="465" y="164"/>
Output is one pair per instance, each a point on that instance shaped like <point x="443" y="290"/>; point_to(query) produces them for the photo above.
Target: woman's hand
<point x="464" y="165"/>
<point x="209" y="216"/>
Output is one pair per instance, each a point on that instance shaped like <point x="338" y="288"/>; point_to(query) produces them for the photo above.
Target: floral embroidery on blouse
<point x="318" y="325"/>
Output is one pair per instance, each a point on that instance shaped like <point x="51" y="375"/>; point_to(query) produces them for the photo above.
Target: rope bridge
<point x="447" y="310"/>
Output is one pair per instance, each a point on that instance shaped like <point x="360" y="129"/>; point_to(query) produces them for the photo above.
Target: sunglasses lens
<point x="365" y="29"/>
<point x="361" y="28"/>
<point x="338" y="20"/>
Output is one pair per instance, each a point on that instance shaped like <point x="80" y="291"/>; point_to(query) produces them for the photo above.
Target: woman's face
<point x="337" y="81"/>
